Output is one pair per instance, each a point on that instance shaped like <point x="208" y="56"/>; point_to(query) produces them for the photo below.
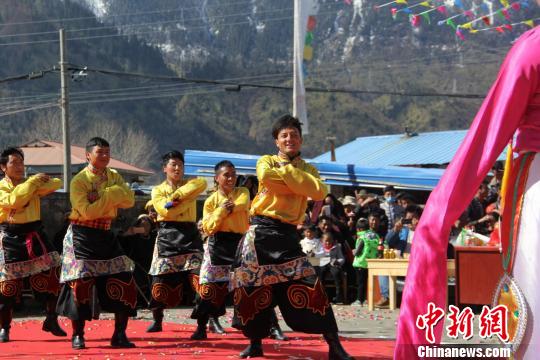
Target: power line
<point x="161" y="22"/>
<point x="202" y="27"/>
<point x="36" y="107"/>
<point x="94" y="17"/>
<point x="279" y="87"/>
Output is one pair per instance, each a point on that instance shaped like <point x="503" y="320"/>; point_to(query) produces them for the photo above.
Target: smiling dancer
<point x="96" y="272"/>
<point x="178" y="250"/>
<point x="25" y="251"/>
<point x="225" y="220"/>
<point x="271" y="268"/>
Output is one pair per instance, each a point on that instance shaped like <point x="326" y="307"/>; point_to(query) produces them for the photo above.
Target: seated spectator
<point x="366" y="248"/>
<point x="332" y="261"/>
<point x="311" y="245"/>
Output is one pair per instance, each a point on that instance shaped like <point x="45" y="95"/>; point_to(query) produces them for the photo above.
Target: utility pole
<point x="332" y="141"/>
<point x="299" y="92"/>
<point x="64" y="105"/>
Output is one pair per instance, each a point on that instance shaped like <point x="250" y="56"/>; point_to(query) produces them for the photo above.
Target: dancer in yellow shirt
<point x="271" y="268"/>
<point x="95" y="269"/>
<point x="25" y="251"/>
<point x="225" y="220"/>
<point x="178" y="250"/>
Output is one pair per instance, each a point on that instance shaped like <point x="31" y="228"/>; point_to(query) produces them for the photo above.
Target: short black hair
<point x="415" y="210"/>
<point x="498" y="166"/>
<point x="223" y="163"/>
<point x="389" y="188"/>
<point x="374" y="214"/>
<point x="96" y="141"/>
<point x="174" y="154"/>
<point x="4" y="157"/>
<point x="362" y="224"/>
<point x="329" y="235"/>
<point x="284" y="122"/>
<point x="325" y="217"/>
<point x="310" y="227"/>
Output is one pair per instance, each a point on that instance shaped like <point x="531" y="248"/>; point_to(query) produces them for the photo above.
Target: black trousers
<point x="220" y="254"/>
<point x="303" y="304"/>
<point x="84" y="299"/>
<point x="210" y="300"/>
<point x="362" y="279"/>
<point x="335" y="272"/>
<point x="168" y="290"/>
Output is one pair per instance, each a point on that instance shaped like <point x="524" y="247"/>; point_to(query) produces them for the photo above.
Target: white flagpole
<point x="299" y="91"/>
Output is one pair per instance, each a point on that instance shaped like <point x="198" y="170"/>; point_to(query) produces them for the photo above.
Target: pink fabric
<point x="31" y="235"/>
<point x="512" y="104"/>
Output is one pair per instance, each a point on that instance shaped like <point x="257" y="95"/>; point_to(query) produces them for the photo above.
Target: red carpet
<point x="28" y="341"/>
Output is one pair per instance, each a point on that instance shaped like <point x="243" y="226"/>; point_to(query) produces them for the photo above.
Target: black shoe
<point x="4" y="335"/>
<point x="335" y="349"/>
<point x="276" y="333"/>
<point x="253" y="350"/>
<point x="214" y="326"/>
<point x="199" y="334"/>
<point x="119" y="340"/>
<point x="51" y="325"/>
<point x="77" y="342"/>
<point x="155" y="327"/>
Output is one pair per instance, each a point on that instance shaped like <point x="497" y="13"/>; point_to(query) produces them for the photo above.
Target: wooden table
<point x="393" y="268"/>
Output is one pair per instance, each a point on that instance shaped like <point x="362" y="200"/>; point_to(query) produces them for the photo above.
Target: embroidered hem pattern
<point x="213" y="273"/>
<point x="178" y="263"/>
<point x="22" y="269"/>
<point x="250" y="273"/>
<point x="73" y="268"/>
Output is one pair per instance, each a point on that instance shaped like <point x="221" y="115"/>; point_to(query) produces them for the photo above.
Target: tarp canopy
<point x="201" y="163"/>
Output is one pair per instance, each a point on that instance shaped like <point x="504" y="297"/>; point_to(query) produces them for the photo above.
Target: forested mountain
<point x="356" y="47"/>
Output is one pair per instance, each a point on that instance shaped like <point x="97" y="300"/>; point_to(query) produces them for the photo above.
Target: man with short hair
<point x="25" y="251"/>
<point x="95" y="270"/>
<point x="393" y="211"/>
<point x="271" y="268"/>
<point x="178" y="251"/>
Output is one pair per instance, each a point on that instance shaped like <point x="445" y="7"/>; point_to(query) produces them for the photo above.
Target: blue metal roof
<point x="201" y="163"/>
<point x="422" y="149"/>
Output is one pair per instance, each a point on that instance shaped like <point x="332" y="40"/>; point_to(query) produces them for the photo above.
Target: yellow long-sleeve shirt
<point x="216" y="218"/>
<point x="186" y="195"/>
<point x="283" y="190"/>
<point x="113" y="194"/>
<point x="21" y="204"/>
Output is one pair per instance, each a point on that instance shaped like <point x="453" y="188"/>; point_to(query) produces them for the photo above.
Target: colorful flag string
<point x="408" y="8"/>
<point x="507" y="27"/>
<point x="390" y="3"/>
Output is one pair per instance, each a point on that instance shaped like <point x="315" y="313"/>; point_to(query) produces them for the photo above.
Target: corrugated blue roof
<point x="201" y="163"/>
<point x="425" y="148"/>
